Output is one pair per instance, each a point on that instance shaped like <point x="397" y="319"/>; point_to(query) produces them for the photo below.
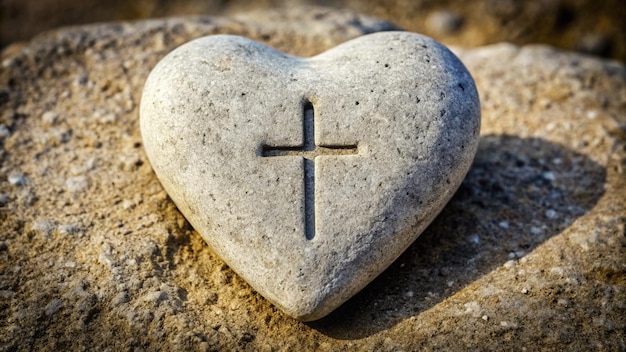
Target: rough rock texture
<point x="591" y="26"/>
<point x="298" y="171"/>
<point x="530" y="253"/>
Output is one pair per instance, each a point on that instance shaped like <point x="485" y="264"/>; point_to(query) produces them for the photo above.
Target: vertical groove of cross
<point x="309" y="169"/>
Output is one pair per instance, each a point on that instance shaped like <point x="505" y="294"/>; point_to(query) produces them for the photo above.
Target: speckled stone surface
<point x="529" y="253"/>
<point x="309" y="177"/>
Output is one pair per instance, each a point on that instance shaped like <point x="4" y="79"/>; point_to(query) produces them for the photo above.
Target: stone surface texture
<point x="596" y="27"/>
<point x="387" y="126"/>
<point x="529" y="253"/>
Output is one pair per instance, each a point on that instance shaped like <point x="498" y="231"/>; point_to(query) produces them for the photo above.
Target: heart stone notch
<point x="310" y="176"/>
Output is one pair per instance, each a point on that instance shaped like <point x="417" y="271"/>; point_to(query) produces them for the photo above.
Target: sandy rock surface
<point x="530" y="252"/>
<point x="590" y="26"/>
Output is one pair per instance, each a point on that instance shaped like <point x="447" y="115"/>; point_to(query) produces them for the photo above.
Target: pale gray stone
<point x="53" y="306"/>
<point x="310" y="176"/>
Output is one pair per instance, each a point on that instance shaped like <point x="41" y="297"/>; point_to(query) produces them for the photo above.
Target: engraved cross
<point x="309" y="150"/>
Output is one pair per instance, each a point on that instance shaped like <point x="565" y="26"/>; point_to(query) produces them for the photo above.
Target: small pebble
<point x="504" y="224"/>
<point x="444" y="22"/>
<point x="77" y="184"/>
<point x="105" y="118"/>
<point x="509" y="264"/>
<point x="557" y="271"/>
<point x="562" y="302"/>
<point x="548" y="176"/>
<point x="53" y="306"/>
<point x="535" y="230"/>
<point x="68" y="229"/>
<point x="550" y="214"/>
<point x="156" y="297"/>
<point x="592" y="114"/>
<point x="17" y="179"/>
<point x="4" y="199"/>
<point x="49" y="117"/>
<point x="121" y="298"/>
<point x="106" y="259"/>
<point x="4" y="131"/>
<point x="485" y="318"/>
<point x="525" y="290"/>
<point x="127" y="204"/>
<point x="474" y="239"/>
<point x="44" y="228"/>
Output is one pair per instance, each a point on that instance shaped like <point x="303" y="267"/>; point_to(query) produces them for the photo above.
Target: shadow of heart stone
<point x="518" y="193"/>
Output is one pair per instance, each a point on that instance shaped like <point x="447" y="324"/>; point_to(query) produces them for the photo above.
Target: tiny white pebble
<point x="106" y="259"/>
<point x="535" y="230"/>
<point x="49" y="117"/>
<point x="127" y="204"/>
<point x="77" y="184"/>
<point x="504" y="224"/>
<point x="557" y="271"/>
<point x="509" y="264"/>
<point x="548" y="176"/>
<point x="68" y="229"/>
<point x="17" y="179"/>
<point x="44" y="227"/>
<point x="105" y="118"/>
<point x="485" y="318"/>
<point x="591" y="115"/>
<point x="474" y="239"/>
<point x="4" y="131"/>
<point x="550" y="213"/>
<point x="524" y="290"/>
<point x="409" y="294"/>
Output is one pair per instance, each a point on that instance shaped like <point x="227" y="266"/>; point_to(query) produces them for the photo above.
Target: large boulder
<point x="530" y="253"/>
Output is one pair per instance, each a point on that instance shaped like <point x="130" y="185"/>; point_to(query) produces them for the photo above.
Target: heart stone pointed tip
<point x="311" y="176"/>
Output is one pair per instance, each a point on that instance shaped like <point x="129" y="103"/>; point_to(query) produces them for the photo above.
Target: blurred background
<point x="597" y="27"/>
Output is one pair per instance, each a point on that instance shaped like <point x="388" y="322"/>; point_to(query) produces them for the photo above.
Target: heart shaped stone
<point x="311" y="176"/>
